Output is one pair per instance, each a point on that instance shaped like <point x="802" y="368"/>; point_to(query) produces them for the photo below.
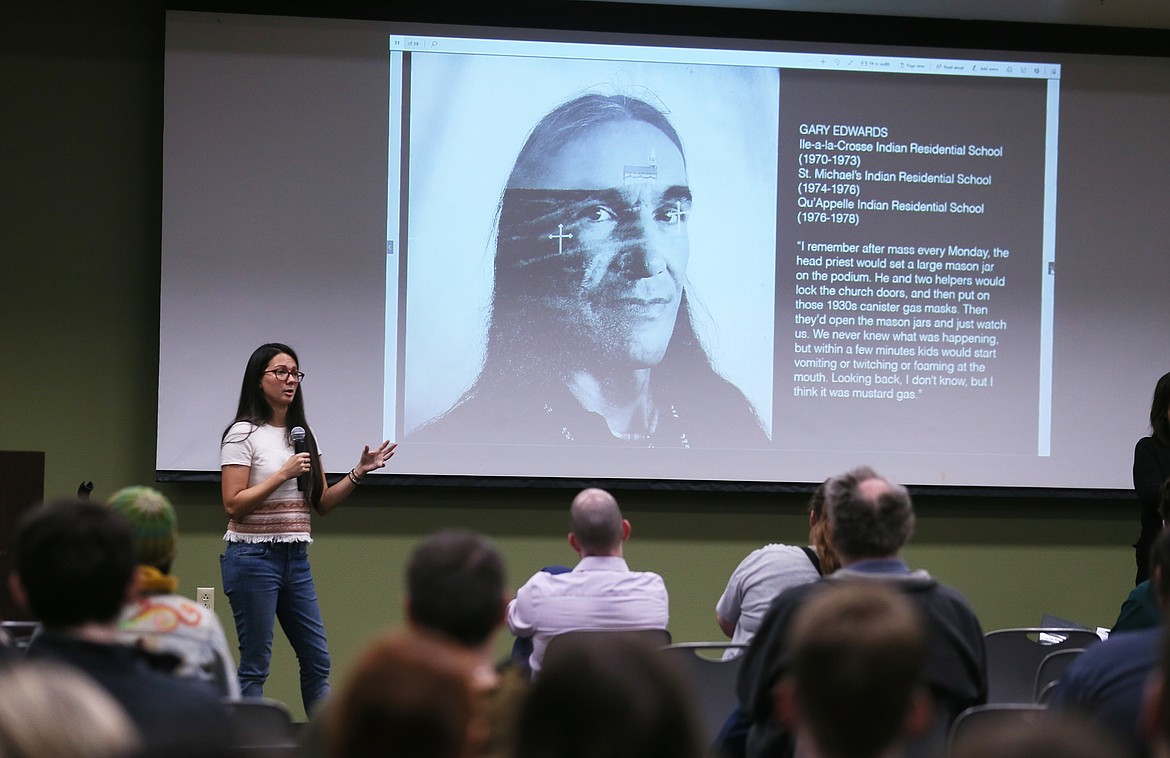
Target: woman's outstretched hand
<point x="372" y="460"/>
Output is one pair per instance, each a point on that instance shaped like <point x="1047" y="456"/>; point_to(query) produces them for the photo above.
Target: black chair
<point x="261" y="726"/>
<point x="993" y="716"/>
<point x="1014" y="657"/>
<point x="1051" y="669"/>
<point x="712" y="678"/>
<point x="20" y="633"/>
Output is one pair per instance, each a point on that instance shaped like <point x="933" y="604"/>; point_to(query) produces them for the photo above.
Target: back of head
<point x="50" y="709"/>
<point x="407" y="696"/>
<point x="75" y="561"/>
<point x="455" y="583"/>
<point x="596" y="521"/>
<point x="858" y="651"/>
<point x="153" y="520"/>
<point x="870" y="516"/>
<point x="608" y="696"/>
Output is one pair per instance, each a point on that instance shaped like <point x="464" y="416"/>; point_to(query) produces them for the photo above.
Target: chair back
<point x="1014" y="657"/>
<point x="711" y="677"/>
<point x="992" y="716"/>
<point x="261" y="725"/>
<point x="20" y="633"/>
<point x="1051" y="669"/>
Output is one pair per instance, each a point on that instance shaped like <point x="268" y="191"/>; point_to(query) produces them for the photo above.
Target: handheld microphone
<point x="300" y="446"/>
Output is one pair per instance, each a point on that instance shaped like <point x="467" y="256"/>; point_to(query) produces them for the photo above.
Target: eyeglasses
<point x="283" y="374"/>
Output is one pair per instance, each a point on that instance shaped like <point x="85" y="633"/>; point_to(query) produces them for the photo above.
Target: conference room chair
<point x="712" y="678"/>
<point x="993" y="716"/>
<point x="1014" y="657"/>
<point x="1051" y="669"/>
<point x="20" y="633"/>
<point x="261" y="727"/>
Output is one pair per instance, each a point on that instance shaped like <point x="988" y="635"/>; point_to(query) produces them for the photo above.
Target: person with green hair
<point x="158" y="619"/>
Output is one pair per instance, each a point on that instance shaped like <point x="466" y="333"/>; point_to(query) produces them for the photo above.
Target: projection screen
<point x="567" y="255"/>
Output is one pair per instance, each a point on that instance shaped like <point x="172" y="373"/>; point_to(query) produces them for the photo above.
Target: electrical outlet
<point x="205" y="596"/>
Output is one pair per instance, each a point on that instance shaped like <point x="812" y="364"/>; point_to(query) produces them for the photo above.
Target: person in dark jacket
<point x="870" y="520"/>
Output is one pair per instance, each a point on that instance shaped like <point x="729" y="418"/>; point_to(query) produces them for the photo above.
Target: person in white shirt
<point x="768" y="571"/>
<point x="600" y="593"/>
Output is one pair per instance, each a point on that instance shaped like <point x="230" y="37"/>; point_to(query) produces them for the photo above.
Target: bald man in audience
<point x="870" y="520"/>
<point x="599" y="593"/>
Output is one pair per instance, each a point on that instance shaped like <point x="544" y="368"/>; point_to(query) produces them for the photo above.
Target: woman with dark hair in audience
<point x="268" y="490"/>
<point x="608" y="696"/>
<point x="1151" y="467"/>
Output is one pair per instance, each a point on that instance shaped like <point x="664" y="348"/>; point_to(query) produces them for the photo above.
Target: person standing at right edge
<point x="1151" y="467"/>
<point x="265" y="564"/>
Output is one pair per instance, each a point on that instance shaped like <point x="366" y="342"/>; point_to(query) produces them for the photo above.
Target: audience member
<point x="158" y="619"/>
<point x="1106" y="683"/>
<point x="1155" y="711"/>
<point x="858" y="652"/>
<point x="455" y="589"/>
<point x="754" y="584"/>
<point x="49" y="709"/>
<point x="455" y="594"/>
<point x="1151" y="467"/>
<point x="770" y="570"/>
<point x="599" y="593"/>
<point x="1141" y="609"/>
<point x="74" y="569"/>
<point x="408" y="696"/>
<point x="608" y="696"/>
<point x="870" y="520"/>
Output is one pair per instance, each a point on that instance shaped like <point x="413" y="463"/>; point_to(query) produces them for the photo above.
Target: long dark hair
<point x="1159" y="422"/>
<point x="254" y="409"/>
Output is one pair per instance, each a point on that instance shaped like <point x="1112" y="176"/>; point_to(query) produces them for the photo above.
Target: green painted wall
<point x="80" y="194"/>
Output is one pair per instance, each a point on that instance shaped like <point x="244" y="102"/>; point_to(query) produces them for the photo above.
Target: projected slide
<point x="626" y="253"/>
<point x="570" y="255"/>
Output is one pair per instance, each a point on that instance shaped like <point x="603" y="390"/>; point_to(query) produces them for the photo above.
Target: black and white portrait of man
<point x="591" y="333"/>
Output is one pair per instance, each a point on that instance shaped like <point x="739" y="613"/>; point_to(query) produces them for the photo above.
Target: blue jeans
<point x="266" y="581"/>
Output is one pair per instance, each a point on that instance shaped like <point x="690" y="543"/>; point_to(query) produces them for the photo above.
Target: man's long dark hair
<point x="254" y="409"/>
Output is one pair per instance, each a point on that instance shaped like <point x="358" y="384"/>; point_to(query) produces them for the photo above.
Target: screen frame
<point x="727" y="23"/>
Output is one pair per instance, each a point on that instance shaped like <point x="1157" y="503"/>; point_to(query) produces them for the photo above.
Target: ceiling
<point x="1154" y="14"/>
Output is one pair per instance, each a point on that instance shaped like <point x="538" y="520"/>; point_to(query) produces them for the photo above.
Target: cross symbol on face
<point x="560" y="237"/>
